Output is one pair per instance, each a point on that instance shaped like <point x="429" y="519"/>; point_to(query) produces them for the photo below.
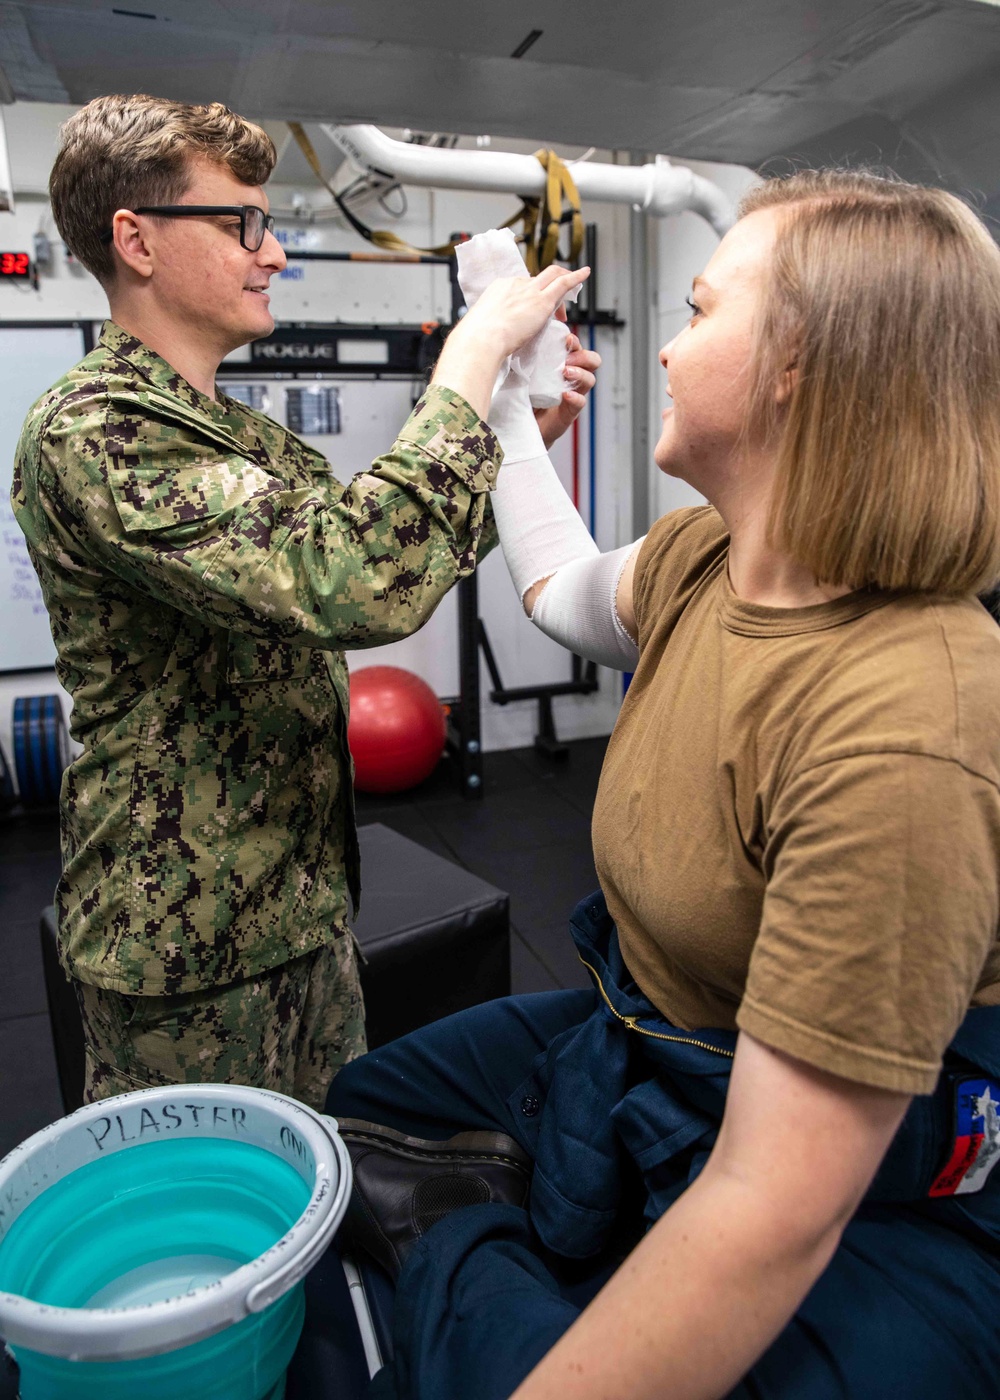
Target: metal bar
<point x="592" y="444"/>
<point x="639" y="340"/>
<point x="547" y="741"/>
<point x="575" y="317"/>
<point x="537" y="692"/>
<point x="246" y="369"/>
<point x="409" y="350"/>
<point x="590" y="260"/>
<point x="590" y="244"/>
<point x="362" y="1312"/>
<point x="457" y="295"/>
<point x="469" y="724"/>
<point x="470" y="754"/>
<point x="489" y="658"/>
<point x="301" y="255"/>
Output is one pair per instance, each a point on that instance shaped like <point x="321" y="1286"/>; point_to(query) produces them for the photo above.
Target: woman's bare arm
<point x="723" y="1271"/>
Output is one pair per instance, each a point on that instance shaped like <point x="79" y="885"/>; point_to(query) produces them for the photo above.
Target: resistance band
<point x="544" y="217"/>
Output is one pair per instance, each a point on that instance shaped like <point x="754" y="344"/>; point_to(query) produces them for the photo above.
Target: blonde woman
<point x="784" y="1089"/>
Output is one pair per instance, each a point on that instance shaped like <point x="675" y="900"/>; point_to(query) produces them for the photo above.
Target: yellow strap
<point x="541" y="234"/>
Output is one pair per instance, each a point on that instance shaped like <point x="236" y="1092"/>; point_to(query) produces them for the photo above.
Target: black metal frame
<point x="583" y="681"/>
<point x="294" y="351"/>
<point x="588" y="314"/>
<point x="465" y="720"/>
<point x="583" y="675"/>
<point x="464" y="732"/>
<point x="319" y="255"/>
<point x="78" y="324"/>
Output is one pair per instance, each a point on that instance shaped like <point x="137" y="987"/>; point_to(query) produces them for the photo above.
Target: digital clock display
<point x="15" y="265"/>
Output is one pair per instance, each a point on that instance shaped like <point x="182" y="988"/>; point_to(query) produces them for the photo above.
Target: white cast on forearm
<point x="541" y="533"/>
<point x="539" y="529"/>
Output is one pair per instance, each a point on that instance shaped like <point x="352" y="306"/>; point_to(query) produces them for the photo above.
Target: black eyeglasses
<point x="254" y="223"/>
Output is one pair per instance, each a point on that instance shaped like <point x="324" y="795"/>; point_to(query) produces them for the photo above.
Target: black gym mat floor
<point x="530" y="835"/>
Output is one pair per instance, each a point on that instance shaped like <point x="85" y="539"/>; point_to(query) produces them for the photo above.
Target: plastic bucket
<point x="153" y="1245"/>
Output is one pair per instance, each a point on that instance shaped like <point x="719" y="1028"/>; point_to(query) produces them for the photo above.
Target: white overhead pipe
<point x="658" y="188"/>
<point x="6" y="179"/>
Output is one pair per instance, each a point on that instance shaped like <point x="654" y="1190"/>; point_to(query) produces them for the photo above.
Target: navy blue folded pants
<point x="619" y="1111"/>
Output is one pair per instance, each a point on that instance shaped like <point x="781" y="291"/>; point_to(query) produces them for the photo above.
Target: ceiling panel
<point x="914" y="81"/>
<point x="650" y="39"/>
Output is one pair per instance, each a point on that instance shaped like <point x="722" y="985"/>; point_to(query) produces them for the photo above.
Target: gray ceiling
<point x="914" y="83"/>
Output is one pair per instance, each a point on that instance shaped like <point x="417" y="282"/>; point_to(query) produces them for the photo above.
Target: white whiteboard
<point x="32" y="359"/>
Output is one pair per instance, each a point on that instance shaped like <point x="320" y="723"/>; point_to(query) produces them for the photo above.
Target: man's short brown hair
<point x="120" y="152"/>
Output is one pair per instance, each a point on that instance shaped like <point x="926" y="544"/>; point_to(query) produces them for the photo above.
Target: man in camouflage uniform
<point x="203" y="571"/>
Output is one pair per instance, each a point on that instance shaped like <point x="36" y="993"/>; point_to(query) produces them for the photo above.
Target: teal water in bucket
<point x="146" y="1225"/>
<point x="156" y="1235"/>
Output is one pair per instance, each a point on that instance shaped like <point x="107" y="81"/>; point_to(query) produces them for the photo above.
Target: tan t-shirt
<point x="798" y="822"/>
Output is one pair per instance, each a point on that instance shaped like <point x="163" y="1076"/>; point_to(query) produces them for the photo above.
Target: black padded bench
<point x="435" y="939"/>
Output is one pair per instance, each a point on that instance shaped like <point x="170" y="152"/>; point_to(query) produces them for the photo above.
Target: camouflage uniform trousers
<point x="290" y="1029"/>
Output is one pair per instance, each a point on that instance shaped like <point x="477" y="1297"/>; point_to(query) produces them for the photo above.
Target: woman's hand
<point x="581" y="370"/>
<point x="721" y="1274"/>
<point x="510" y="311"/>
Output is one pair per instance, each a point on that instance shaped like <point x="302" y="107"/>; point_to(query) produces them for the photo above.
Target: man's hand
<point x="581" y="369"/>
<point x="510" y="311"/>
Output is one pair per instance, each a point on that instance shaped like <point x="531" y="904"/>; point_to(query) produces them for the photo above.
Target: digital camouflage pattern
<point x="290" y="1030"/>
<point x="203" y="570"/>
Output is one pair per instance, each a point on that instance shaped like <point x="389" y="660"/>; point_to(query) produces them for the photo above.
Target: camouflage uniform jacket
<point x="203" y="569"/>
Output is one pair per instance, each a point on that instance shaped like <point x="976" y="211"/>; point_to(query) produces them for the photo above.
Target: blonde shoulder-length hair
<point x="886" y="298"/>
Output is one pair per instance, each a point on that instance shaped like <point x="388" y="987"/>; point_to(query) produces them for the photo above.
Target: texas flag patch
<point x="976" y="1148"/>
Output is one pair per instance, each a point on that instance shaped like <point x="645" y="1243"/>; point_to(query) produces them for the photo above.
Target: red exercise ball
<point x="396" y="731"/>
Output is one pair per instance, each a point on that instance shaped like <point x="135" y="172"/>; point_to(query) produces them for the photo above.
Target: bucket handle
<point x="269" y="1290"/>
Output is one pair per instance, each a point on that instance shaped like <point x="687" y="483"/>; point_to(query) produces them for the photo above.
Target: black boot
<point x="404" y="1185"/>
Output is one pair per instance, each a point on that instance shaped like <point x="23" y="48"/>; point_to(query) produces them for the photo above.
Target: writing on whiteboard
<point x="21" y="580"/>
<point x="34" y="358"/>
